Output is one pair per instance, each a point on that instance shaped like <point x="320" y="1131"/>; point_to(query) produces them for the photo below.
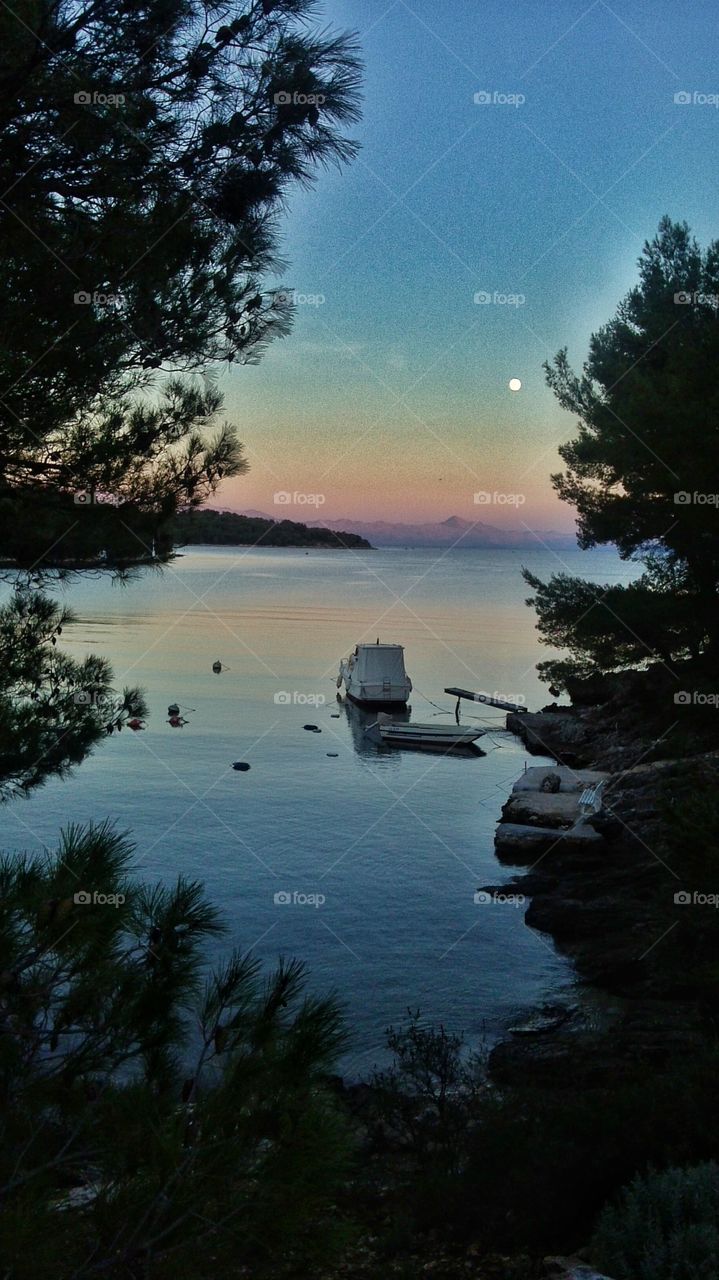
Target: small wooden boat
<point x="443" y="737"/>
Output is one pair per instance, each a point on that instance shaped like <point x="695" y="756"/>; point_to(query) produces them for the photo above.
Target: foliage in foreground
<point x="146" y="152"/>
<point x="154" y="1118"/>
<point x="665" y="1226"/>
<point x="643" y="469"/>
<point x="53" y="709"/>
<point x="522" y="1169"/>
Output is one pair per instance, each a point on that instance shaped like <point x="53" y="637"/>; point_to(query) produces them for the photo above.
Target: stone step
<point x="516" y="843"/>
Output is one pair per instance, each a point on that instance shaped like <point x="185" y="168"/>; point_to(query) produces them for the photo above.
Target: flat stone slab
<point x="571" y="779"/>
<point x="543" y="808"/>
<point x="514" y="841"/>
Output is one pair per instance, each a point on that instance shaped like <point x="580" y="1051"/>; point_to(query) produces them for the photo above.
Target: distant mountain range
<point x="452" y="532"/>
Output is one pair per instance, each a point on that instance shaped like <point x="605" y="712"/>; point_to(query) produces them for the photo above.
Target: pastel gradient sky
<point x="390" y="398"/>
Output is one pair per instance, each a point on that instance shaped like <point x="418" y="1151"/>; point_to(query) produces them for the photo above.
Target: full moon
<point x="515" y="384"/>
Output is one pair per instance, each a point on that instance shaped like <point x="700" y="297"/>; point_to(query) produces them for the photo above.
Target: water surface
<point x="395" y="842"/>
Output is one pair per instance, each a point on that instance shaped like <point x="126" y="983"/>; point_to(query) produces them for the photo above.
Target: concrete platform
<point x="517" y="843"/>
<point x="571" y="779"/>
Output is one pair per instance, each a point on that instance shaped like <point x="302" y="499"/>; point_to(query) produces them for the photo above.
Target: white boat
<point x="429" y="736"/>
<point x="374" y="675"/>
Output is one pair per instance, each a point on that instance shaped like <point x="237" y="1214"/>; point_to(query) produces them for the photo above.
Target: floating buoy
<point x="335" y="715"/>
<point x="217" y="667"/>
<point x="174" y="714"/>
<point x="312" y="728"/>
<point x="240" y="766"/>
<point x="333" y="754"/>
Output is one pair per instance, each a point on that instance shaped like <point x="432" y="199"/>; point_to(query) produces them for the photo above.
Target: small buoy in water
<point x="312" y="728"/>
<point x="217" y="667"/>
<point x="335" y="715"/>
<point x="240" y="766"/>
<point x="333" y="754"/>
<point x="135" y="724"/>
<point x="173" y="709"/>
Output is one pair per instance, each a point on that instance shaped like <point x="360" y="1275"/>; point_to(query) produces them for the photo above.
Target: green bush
<point x="665" y="1226"/>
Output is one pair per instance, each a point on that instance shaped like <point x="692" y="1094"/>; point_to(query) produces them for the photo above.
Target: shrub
<point x="665" y="1226"/>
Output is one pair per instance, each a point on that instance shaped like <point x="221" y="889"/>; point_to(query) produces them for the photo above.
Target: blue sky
<point x="390" y="398"/>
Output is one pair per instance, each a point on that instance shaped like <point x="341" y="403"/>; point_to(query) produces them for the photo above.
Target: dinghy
<point x="433" y="737"/>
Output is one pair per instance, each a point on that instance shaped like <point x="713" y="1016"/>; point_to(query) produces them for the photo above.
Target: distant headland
<point x="227" y="528"/>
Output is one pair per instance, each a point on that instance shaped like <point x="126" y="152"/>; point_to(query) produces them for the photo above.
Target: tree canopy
<point x="155" y="1115"/>
<point x="146" y="151"/>
<point x="643" y="470"/>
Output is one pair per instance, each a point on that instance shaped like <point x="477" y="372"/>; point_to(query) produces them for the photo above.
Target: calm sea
<point x="391" y="844"/>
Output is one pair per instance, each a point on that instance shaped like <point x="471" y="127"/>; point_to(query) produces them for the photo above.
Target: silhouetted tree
<point x="146" y="150"/>
<point x="156" y="1121"/>
<point x="643" y="471"/>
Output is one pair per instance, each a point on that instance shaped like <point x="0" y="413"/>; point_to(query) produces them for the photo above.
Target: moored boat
<point x="443" y="737"/>
<point x="374" y="675"/>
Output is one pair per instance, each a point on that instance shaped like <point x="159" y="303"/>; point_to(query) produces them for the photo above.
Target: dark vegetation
<point x="643" y="471"/>
<point x="226" y="528"/>
<point x="159" y="1119"/>
<point x="147" y="150"/>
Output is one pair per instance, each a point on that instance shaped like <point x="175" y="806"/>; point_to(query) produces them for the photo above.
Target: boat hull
<point x="378" y="703"/>
<point x="429" y="737"/>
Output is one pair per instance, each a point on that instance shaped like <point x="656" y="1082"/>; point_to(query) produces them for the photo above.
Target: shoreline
<point x="607" y="901"/>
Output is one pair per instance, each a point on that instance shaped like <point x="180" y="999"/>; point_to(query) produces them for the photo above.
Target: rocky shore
<point x="602" y="885"/>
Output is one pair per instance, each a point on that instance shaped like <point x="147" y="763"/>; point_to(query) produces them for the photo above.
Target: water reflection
<point x="359" y="720"/>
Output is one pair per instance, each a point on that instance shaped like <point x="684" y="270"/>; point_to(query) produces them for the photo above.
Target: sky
<point x="390" y="399"/>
